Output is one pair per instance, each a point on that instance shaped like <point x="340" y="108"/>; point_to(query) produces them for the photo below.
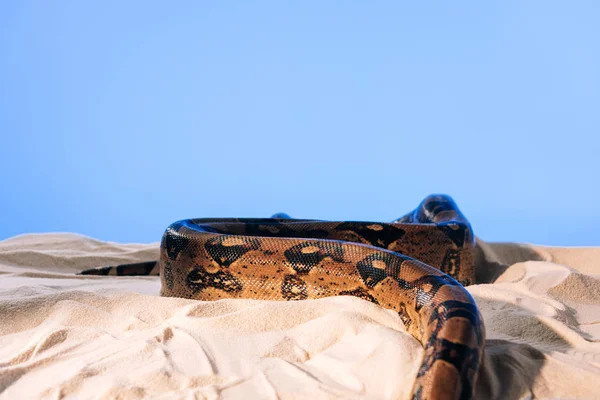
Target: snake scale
<point x="416" y="265"/>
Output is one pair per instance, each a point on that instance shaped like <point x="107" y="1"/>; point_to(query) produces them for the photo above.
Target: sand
<point x="75" y="337"/>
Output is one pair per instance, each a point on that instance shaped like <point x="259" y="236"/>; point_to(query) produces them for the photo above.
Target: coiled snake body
<point x="412" y="266"/>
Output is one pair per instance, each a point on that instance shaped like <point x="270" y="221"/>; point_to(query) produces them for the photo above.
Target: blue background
<point x="119" y="117"/>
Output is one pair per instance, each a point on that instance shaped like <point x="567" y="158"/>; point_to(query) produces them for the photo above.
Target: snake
<point x="417" y="265"/>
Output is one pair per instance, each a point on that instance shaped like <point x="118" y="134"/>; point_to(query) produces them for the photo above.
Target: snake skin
<point x="416" y="265"/>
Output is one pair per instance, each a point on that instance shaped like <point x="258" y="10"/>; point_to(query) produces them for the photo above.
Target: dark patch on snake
<point x="376" y="267"/>
<point x="225" y="253"/>
<point x="168" y="273"/>
<point x="305" y="256"/>
<point x="404" y="315"/>
<point x="454" y="308"/>
<point x="293" y="288"/>
<point x="174" y="243"/>
<point x="275" y="228"/>
<point x="380" y="235"/>
<point x="451" y="262"/>
<point x="455" y="232"/>
<point x="198" y="280"/>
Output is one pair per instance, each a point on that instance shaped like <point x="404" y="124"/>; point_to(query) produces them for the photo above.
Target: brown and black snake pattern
<point x="416" y="265"/>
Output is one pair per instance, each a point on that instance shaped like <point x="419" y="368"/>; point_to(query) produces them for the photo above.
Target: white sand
<point x="67" y="336"/>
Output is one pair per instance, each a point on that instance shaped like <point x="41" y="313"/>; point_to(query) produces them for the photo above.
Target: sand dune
<point x="67" y="336"/>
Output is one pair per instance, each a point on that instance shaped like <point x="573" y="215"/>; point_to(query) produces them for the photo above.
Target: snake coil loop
<point x="416" y="265"/>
